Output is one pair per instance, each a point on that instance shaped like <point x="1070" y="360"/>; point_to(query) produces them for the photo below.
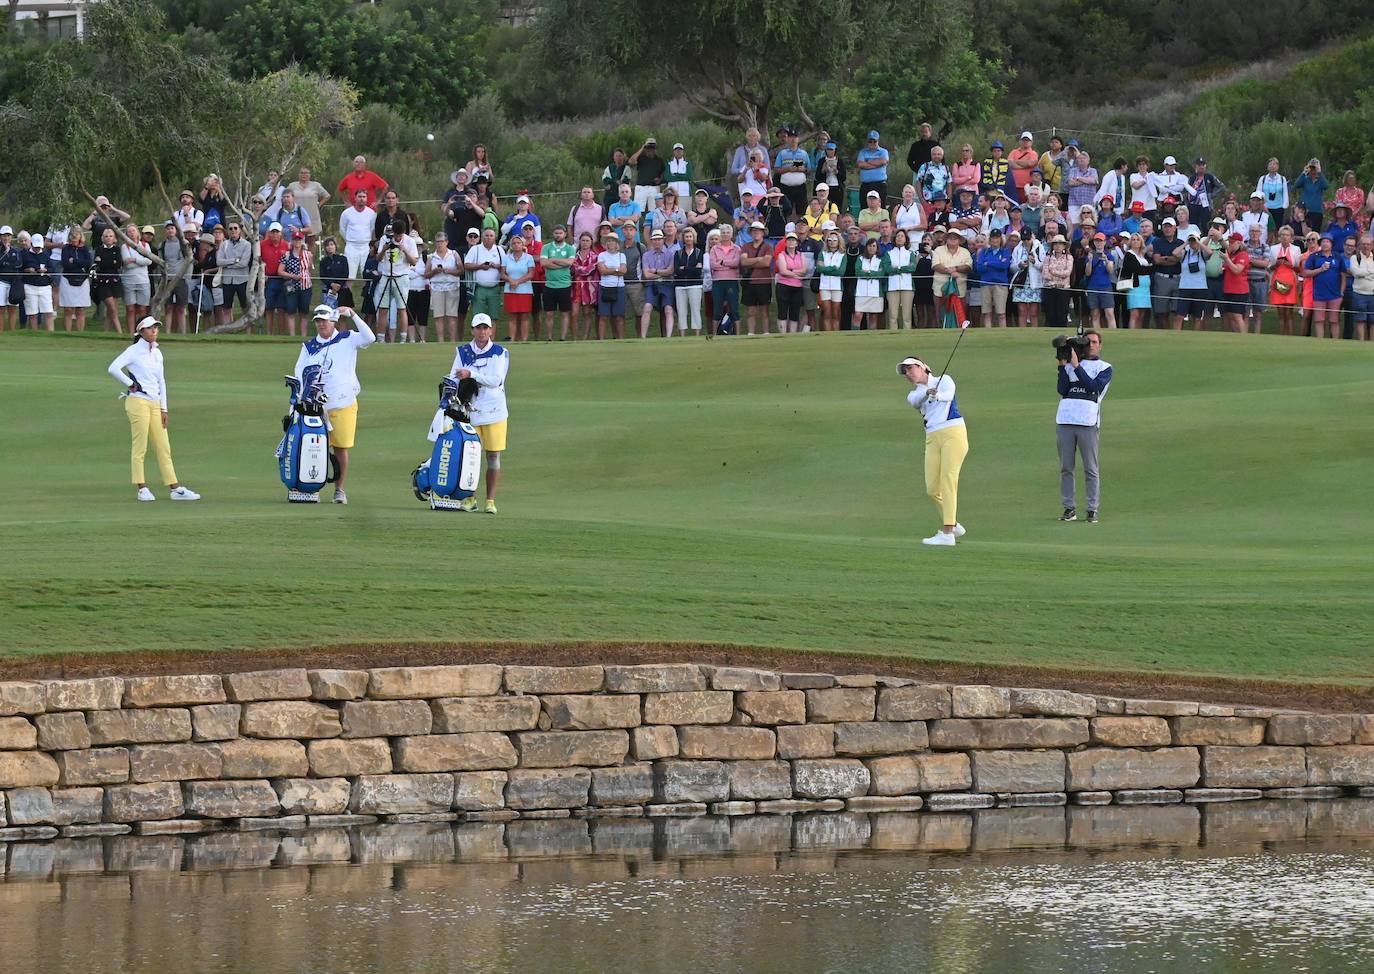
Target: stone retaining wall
<point x="298" y="748"/>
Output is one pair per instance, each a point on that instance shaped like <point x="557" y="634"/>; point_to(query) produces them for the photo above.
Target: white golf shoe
<point x="940" y="538"/>
<point x="959" y="531"/>
<point x="184" y="493"/>
<point x="144" y="494"/>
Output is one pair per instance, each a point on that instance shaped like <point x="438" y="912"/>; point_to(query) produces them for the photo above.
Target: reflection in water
<point x="1259" y="887"/>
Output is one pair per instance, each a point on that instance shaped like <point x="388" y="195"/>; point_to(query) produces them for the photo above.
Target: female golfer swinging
<point x="946" y="444"/>
<point x="145" y="403"/>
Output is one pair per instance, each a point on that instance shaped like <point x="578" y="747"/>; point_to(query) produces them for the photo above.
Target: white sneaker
<point x="184" y="493"/>
<point x="959" y="531"/>
<point x="339" y="496"/>
<point x="1216" y="312"/>
<point x="144" y="494"/>
<point x="940" y="538"/>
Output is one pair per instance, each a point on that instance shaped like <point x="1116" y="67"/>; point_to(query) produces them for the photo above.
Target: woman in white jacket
<point x="139" y="369"/>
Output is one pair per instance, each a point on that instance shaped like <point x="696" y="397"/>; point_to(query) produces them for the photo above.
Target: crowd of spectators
<point x="793" y="238"/>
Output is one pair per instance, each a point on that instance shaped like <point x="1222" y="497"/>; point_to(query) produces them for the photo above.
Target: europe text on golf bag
<point x="303" y="457"/>
<point x="451" y="473"/>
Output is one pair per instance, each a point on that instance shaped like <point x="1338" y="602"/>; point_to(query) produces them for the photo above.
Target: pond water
<point x="1264" y="887"/>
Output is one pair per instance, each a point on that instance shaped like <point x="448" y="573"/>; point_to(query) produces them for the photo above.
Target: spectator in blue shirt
<point x="792" y="168"/>
<point x="873" y="168"/>
<point x="745" y="214"/>
<point x="1309" y="188"/>
<point x="623" y="211"/>
<point x="993" y="268"/>
<point x="1323" y="271"/>
<point x="1342" y="228"/>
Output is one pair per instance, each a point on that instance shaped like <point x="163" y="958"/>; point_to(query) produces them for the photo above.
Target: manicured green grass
<point x="764" y="492"/>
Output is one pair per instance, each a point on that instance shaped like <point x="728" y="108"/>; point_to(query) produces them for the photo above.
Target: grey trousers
<point x="1082" y="440"/>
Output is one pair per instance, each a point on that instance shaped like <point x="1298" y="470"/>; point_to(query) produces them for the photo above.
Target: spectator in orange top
<point x="1022" y="160"/>
<point x="362" y="178"/>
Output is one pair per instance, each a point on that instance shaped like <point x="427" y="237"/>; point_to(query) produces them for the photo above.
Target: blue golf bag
<point x="304" y="459"/>
<point x="450" y="475"/>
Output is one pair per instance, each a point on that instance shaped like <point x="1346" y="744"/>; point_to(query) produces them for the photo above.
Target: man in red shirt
<point x="274" y="247"/>
<point x="362" y="178"/>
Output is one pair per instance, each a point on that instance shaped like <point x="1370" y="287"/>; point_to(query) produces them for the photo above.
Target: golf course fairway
<point x="755" y="492"/>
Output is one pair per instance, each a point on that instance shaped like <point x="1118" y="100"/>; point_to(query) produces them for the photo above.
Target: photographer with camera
<point x="1083" y="381"/>
<point x="396" y="255"/>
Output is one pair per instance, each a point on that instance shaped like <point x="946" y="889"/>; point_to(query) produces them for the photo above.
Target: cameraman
<point x="1082" y="387"/>
<point x="396" y="255"/>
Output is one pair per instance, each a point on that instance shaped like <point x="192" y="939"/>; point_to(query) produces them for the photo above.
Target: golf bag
<point x="449" y="476"/>
<point x="304" y="459"/>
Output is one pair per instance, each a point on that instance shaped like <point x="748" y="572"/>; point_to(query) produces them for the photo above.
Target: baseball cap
<point x="756" y="225"/>
<point x="6" y="230"/>
<point x="35" y="240"/>
<point x="1235" y="236"/>
<point x="997" y="144"/>
<point x="1109" y="199"/>
<point x="274" y="226"/>
<point x="1218" y="221"/>
<point x="1170" y="161"/>
<point x="873" y="135"/>
<point x="651" y="141"/>
<point x="148" y="228"/>
<point x="1200" y="161"/>
<point x="1138" y="206"/>
<point x="325" y="312"/>
<point x="1123" y="233"/>
<point x="1013" y="232"/>
<point x="828" y="225"/>
<point x="1099" y="235"/>
<point x="656" y="235"/>
<point x="746" y="192"/>
<point x="1168" y="221"/>
<point x="481" y="321"/>
<point x="702" y="192"/>
<point x="873" y="194"/>
<point x="1073" y="142"/>
<point x="473" y="232"/>
<point x="909" y="361"/>
<point x="522" y="199"/>
<point x="830" y="145"/>
<point x="1027" y="135"/>
<point x="147" y="321"/>
<point x="678" y="145"/>
<point x="1257" y="195"/>
<point x="298" y="234"/>
<point x="790" y="233"/>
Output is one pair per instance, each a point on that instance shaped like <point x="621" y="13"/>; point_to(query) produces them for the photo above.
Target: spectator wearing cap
<point x="1273" y="189"/>
<point x="1082" y="182"/>
<point x="872" y="165"/>
<point x="1195" y="290"/>
<point x="633" y="248"/>
<point x="756" y="263"/>
<point x="105" y="215"/>
<point x="777" y="214"/>
<point x="873" y="214"/>
<point x="649" y="170"/>
<point x="1202" y="192"/>
<point x="295" y="270"/>
<point x="136" y="258"/>
<point x="793" y="168"/>
<point x="1167" y="252"/>
<point x="272" y="249"/>
<point x="950" y="261"/>
<point x="790" y="266"/>
<point x="679" y="175"/>
<point x="140" y="370"/>
<point x="186" y="214"/>
<point x="1257" y="215"/>
<point x="995" y="173"/>
<point x="176" y="259"/>
<point x="483" y="262"/>
<point x="1170" y="186"/>
<point x="723" y="259"/>
<point x="667" y="210"/>
<point x="1108" y="220"/>
<point x="830" y="174"/>
<point x="932" y="177"/>
<point x="627" y="210"/>
<point x="1098" y="272"/>
<point x="514" y="225"/>
<point x="742" y="159"/>
<point x="828" y="204"/>
<point x="1310" y="187"/>
<point x="745" y="214"/>
<point x="993" y="265"/>
<point x="362" y="178"/>
<point x="39" y="270"/>
<point x="1235" y="282"/>
<point x="612" y="303"/>
<point x="702" y="217"/>
<point x="1022" y="160"/>
<point x="965" y="215"/>
<point x="484" y="203"/>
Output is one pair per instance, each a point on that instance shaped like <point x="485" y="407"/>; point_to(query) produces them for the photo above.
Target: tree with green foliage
<point x="127" y="105"/>
<point x="745" y="61"/>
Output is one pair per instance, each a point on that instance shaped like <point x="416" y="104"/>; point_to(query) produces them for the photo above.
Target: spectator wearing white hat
<point x="514" y="225"/>
<point x="11" y="264"/>
<point x="39" y="272"/>
<point x="756" y="263"/>
<point x="139" y="368"/>
<point x="679" y="175"/>
<point x="336" y="352"/>
<point x="1022" y="160"/>
<point x="272" y="249"/>
<point x="1169" y="182"/>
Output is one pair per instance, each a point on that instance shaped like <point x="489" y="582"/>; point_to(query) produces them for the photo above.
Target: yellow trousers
<point x="145" y="424"/>
<point x="945" y="452"/>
